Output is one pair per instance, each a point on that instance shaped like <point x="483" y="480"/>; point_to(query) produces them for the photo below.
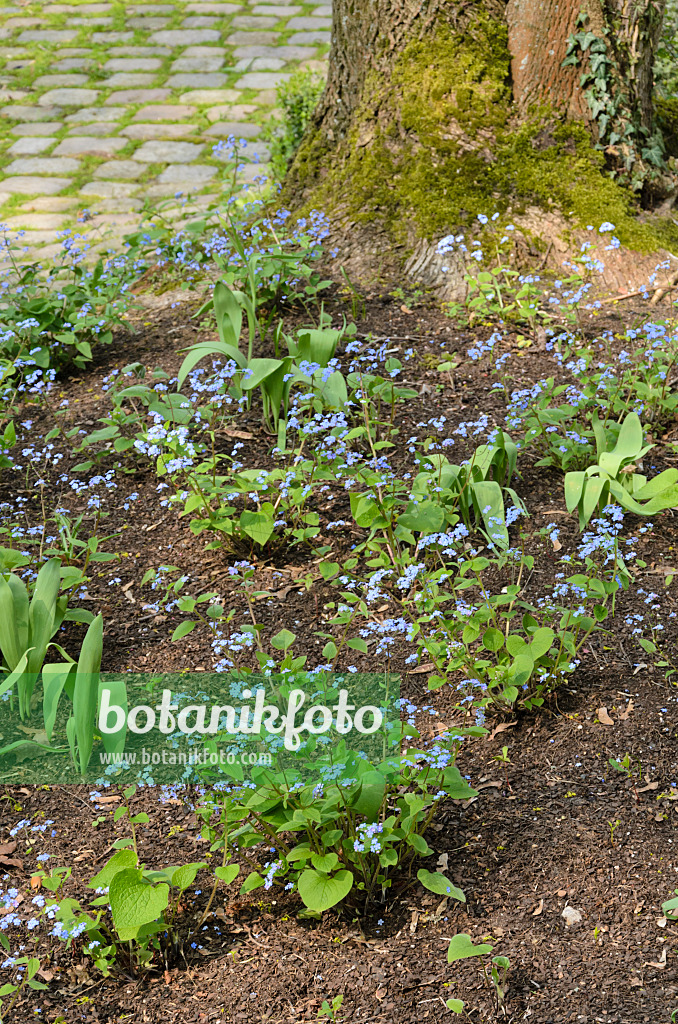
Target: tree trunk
<point x="436" y="111"/>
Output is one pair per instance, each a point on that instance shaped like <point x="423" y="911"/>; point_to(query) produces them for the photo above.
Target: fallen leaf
<point x="639" y="667"/>
<point x="36" y="881"/>
<point x="650" y="785"/>
<point x="661" y="963"/>
<point x="380" y="993"/>
<point x="242" y="434"/>
<point x="661" y="922"/>
<point x="489" y="785"/>
<point x="442" y="862"/>
<point x="420" y="669"/>
<point x="46" y="975"/>
<point x="603" y="717"/>
<point x="502" y="727"/>
<point x="413" y="922"/>
<point x="625" y="714"/>
<point x="538" y="909"/>
<point x="7" y="849"/>
<point x="107" y="799"/>
<point x="12" y="862"/>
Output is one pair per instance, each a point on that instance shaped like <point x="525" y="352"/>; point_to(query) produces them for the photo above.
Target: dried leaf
<point x="421" y="669"/>
<point x="442" y="862"/>
<point x="413" y="922"/>
<point x="603" y="717"/>
<point x="12" y="862"/>
<point x="243" y="435"/>
<point x="502" y="727"/>
<point x="7" y="848"/>
<point x="538" y="909"/>
<point x="625" y="714"/>
<point x="660" y="964"/>
<point x="108" y="799"/>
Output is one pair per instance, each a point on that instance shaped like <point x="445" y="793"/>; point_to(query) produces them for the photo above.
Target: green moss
<point x="444" y="145"/>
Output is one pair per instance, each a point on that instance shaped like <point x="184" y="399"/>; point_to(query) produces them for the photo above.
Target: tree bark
<point x="425" y="98"/>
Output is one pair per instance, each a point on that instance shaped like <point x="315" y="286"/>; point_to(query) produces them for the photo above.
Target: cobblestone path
<point x="104" y="105"/>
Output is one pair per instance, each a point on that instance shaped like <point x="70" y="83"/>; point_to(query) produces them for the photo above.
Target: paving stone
<point x="252" y="38"/>
<point x="186" y="37"/>
<point x="250" y="172"/>
<point x="139" y="51"/>
<point x="307" y="23"/>
<point x="108" y="189"/>
<point x="46" y="128"/>
<point x="50" y="204"/>
<point x="251" y="21"/>
<point x="195" y="81"/>
<point x="237" y="112"/>
<point x="17" y="113"/>
<point x="118" y="205"/>
<point x="165" y="152"/>
<point x="130" y="80"/>
<point x="30" y="147"/>
<point x="132" y="96"/>
<point x="131" y="64"/>
<point x="112" y="37"/>
<point x="14" y="94"/>
<point x="198" y="63"/>
<point x="260" y="64"/>
<point x="73" y="51"/>
<point x="43" y="165"/>
<point x="148" y="24"/>
<point x="102" y="22"/>
<point x="223" y="9"/>
<point x="125" y="169"/>
<point x="253" y="152"/>
<point x="85" y="8"/>
<point x="54" y="81"/>
<point x="284" y="52"/>
<point x="261" y="80"/>
<point x="17" y="65"/>
<point x="35" y="185"/>
<point x="80" y="145"/>
<point x="324" y="11"/>
<point x="222" y="129"/>
<point x="15" y="23"/>
<point x="304" y="38"/>
<point x="37" y="221"/>
<point x="96" y="129"/>
<point x="164" y="112"/>
<point x="48" y="35"/>
<point x="199" y="21"/>
<point x="267" y="97"/>
<point x="187" y="174"/>
<point x="143" y="132"/>
<point x="96" y="114"/>
<point x="204" y="51"/>
<point x="276" y="11"/>
<point x="72" y="64"/>
<point x="68" y="97"/>
<point x="151" y="8"/>
<point x="203" y="97"/>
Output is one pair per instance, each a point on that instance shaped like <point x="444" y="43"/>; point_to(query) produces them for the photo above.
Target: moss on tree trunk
<point x="420" y="130"/>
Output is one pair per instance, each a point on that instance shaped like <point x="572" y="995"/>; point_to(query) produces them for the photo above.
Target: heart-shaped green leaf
<point x="135" y="902"/>
<point x="320" y="891"/>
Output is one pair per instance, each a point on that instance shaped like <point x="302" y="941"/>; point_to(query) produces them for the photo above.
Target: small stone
<point x="48" y="35"/>
<point x="73" y="64"/>
<point x="68" y="97"/>
<point x="112" y="37"/>
<point x="132" y="96"/>
<point x="35" y="185"/>
<point x="43" y="165"/>
<point x="97" y="130"/>
<point x="102" y="22"/>
<point x="186" y="37"/>
<point x="108" y="189"/>
<point x="261" y="80"/>
<point x="310" y="24"/>
<point x="252" y="38"/>
<point x="54" y="81"/>
<point x="304" y="38"/>
<point x="144" y="132"/>
<point x="187" y="174"/>
<point x="260" y="64"/>
<point x="222" y="130"/>
<point x="324" y="11"/>
<point x="164" y="112"/>
<point x="151" y="9"/>
<point x="132" y="64"/>
<point x="197" y="63"/>
<point x="125" y="169"/>
<point x="250" y="21"/>
<point x="160" y="152"/>
<point x="197" y="21"/>
<point x="96" y="114"/>
<point x="571" y="916"/>
<point x="47" y="128"/>
<point x="16" y="113"/>
<point x="203" y="97"/>
<point x="30" y="146"/>
<point x="223" y="9"/>
<point x="130" y="80"/>
<point x="194" y="81"/>
<point x="117" y="205"/>
<point x="73" y="51"/>
<point x="239" y="112"/>
<point x="83" y="146"/>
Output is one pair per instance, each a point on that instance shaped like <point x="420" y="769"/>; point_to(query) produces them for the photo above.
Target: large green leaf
<point x="228" y="312"/>
<point x="260" y="370"/>
<point x="184" y="876"/>
<point x="435" y="882"/>
<point x="371" y="795"/>
<point x="320" y="891"/>
<point x="54" y="677"/>
<point x="120" y="861"/>
<point x="86" y="690"/>
<point x="257" y="525"/>
<point x="574" y="486"/>
<point x="114" y="742"/>
<point x="135" y="902"/>
<point x="204" y="349"/>
<point x="461" y="947"/>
